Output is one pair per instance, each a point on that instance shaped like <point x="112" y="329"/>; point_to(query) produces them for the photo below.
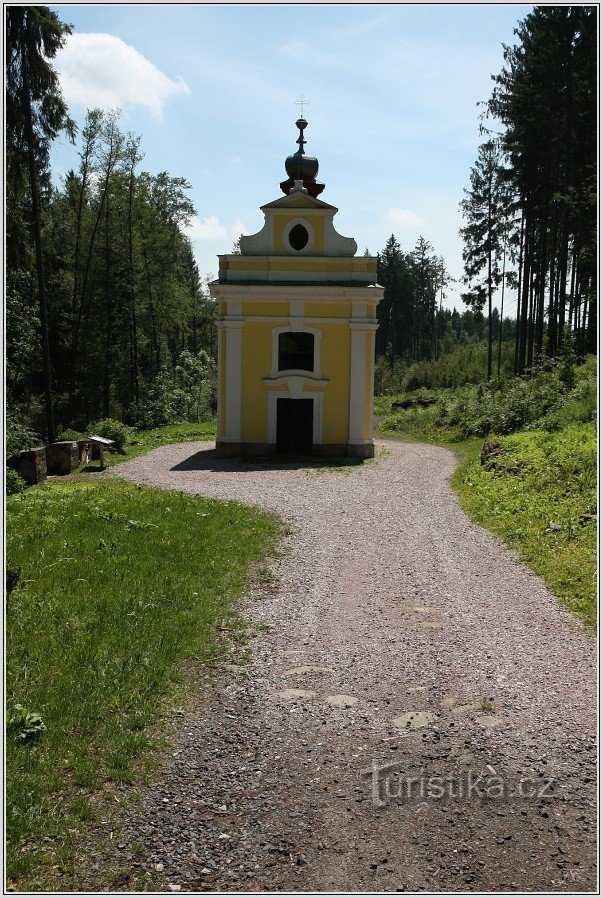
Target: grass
<point x="143" y="441"/>
<point x="119" y="587"/>
<point x="540" y="500"/>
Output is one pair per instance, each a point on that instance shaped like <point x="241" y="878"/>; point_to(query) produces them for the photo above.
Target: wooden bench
<point x="97" y="448"/>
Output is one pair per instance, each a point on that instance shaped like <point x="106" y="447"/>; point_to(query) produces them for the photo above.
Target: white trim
<point x="219" y="397"/>
<point x="357" y="384"/>
<point x="359" y="310"/>
<point x="280" y="257"/>
<point x="233" y="381"/>
<point x="313" y="293"/>
<point x="314" y="395"/>
<point x="277" y="275"/>
<point x="372" y="386"/>
<point x="234" y="308"/>
<point x="296" y="327"/>
<point x="270" y="210"/>
<point x="369" y="324"/>
<point x="294" y="323"/>
<point x="311" y="237"/>
<point x="295" y="381"/>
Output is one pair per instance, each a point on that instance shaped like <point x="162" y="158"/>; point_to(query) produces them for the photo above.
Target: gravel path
<point x="399" y="634"/>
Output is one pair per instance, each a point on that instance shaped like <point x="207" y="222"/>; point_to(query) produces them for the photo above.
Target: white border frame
<point x="311" y="237"/>
<point x="295" y="327"/>
<point x="317" y="400"/>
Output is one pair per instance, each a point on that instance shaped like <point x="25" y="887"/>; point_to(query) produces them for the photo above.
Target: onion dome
<point x="302" y="166"/>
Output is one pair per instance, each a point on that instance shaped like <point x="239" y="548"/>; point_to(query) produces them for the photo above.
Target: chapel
<point x="296" y="330"/>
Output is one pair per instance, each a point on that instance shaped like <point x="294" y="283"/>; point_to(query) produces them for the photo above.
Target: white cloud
<point x="102" y="70"/>
<point x="404" y="218"/>
<point x="212" y="228"/>
<point x="206" y="229"/>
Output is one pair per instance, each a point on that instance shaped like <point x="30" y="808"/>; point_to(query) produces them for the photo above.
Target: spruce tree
<point x="485" y="210"/>
<point x="35" y="114"/>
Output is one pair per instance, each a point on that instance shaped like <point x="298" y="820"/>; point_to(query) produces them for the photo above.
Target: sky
<point x="393" y="112"/>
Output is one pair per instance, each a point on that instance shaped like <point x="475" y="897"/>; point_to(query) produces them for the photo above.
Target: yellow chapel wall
<point x="256" y="360"/>
<point x="335" y="365"/>
<point x="280" y="222"/>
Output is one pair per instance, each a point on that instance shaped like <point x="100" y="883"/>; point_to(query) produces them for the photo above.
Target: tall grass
<point x="540" y="497"/>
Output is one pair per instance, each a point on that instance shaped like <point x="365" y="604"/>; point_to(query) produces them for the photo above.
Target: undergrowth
<point x="538" y="494"/>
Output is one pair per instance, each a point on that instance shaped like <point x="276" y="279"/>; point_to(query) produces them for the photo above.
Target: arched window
<point x="295" y="351"/>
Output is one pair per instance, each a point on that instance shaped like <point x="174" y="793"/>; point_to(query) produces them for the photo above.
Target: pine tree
<point x="35" y="114"/>
<point x="546" y="99"/>
<point x="485" y="209"/>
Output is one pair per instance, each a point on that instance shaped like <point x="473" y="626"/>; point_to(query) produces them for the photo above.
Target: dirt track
<point x="400" y="634"/>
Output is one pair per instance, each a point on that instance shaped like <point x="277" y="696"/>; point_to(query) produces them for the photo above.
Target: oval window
<point x="298" y="237"/>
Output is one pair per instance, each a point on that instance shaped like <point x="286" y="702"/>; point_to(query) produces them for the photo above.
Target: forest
<point x="108" y="316"/>
<point x="529" y="213"/>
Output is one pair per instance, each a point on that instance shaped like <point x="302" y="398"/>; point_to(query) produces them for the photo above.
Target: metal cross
<point x="302" y="102"/>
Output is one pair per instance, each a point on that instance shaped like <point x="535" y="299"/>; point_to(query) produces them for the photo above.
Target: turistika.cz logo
<point x="389" y="783"/>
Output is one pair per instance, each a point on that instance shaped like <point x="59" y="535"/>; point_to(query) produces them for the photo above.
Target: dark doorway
<point x="294" y="426"/>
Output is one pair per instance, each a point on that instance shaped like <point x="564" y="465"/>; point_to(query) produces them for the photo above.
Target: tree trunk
<point x="132" y="291"/>
<point x="502" y="309"/>
<point x="531" y="322"/>
<point x="75" y="362"/>
<point x="107" y="368"/>
<point x="151" y="307"/>
<point x="37" y="229"/>
<point x="489" y="314"/>
<point x="518" y="313"/>
<point x="525" y="291"/>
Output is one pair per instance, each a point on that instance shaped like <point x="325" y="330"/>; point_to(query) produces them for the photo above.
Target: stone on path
<point x="307" y="668"/>
<point x="490" y="720"/>
<point x="341" y="701"/>
<point x="449" y="702"/>
<point x="413" y="720"/>
<point x="466" y="709"/>
<point x="290" y="694"/>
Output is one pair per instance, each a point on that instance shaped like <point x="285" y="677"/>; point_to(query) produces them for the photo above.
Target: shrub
<point x="389" y="375"/>
<point x="24" y="726"/>
<point x="579" y="406"/>
<point x="542" y="399"/>
<point x="186" y="393"/>
<point x="19" y="436"/>
<point x="466" y="364"/>
<point x="111" y="430"/>
<point x="13" y="482"/>
<point x="71" y="434"/>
